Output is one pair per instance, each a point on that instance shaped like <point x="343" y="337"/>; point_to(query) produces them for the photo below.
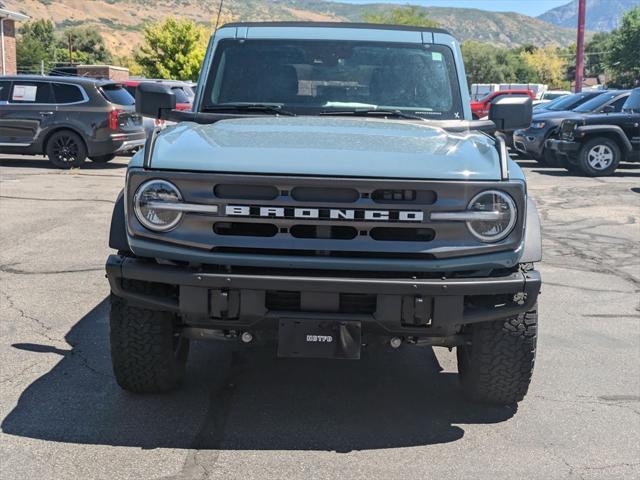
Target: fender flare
<point x="532" y="251"/>
<point x="118" y="231"/>
<point x="609" y="129"/>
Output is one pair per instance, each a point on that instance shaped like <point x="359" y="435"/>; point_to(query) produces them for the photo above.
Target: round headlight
<point x="148" y="205"/>
<point x="497" y="226"/>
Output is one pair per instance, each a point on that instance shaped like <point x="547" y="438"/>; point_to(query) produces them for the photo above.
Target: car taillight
<point x="113" y="119"/>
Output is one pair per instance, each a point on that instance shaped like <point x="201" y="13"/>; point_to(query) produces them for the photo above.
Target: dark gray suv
<point x="68" y="119"/>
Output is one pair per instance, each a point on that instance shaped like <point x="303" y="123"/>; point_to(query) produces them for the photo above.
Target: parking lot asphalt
<point x="243" y="414"/>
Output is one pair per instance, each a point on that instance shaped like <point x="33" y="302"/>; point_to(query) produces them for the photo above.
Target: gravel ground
<point x="244" y="414"/>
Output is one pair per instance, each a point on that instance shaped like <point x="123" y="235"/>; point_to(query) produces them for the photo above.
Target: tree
<point x="485" y="63"/>
<point x="412" y="16"/>
<point x="549" y="67"/>
<point x="623" y="57"/>
<point x="87" y="46"/>
<point x="172" y="49"/>
<point x="34" y="44"/>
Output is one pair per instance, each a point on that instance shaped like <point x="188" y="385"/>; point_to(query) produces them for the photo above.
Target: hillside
<point x="602" y="15"/>
<point x="121" y="21"/>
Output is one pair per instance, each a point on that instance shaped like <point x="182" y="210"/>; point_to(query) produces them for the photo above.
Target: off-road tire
<point x="585" y="162"/>
<point x="66" y="150"/>
<point x="147" y="353"/>
<point x="497" y="366"/>
<point x="103" y="158"/>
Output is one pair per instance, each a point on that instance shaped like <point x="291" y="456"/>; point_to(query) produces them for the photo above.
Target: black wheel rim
<point x="65" y="149"/>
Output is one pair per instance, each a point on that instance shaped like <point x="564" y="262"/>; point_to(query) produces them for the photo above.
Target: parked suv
<point x="68" y="119"/>
<point x="596" y="144"/>
<point x="546" y="124"/>
<point x="330" y="191"/>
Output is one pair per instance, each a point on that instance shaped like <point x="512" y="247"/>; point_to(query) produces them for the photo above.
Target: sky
<point x="526" y="7"/>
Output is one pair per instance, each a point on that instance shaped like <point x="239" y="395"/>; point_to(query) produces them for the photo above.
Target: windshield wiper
<point x="249" y="107"/>
<point x="382" y="112"/>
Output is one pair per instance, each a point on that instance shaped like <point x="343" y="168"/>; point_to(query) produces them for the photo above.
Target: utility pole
<point x="70" y="50"/>
<point x="582" y="6"/>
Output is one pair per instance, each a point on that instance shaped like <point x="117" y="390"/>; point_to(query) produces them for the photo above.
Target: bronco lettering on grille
<point x="325" y="213"/>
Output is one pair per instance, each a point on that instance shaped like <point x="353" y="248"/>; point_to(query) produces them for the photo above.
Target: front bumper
<point x="563" y="147"/>
<point x="385" y="306"/>
<point x="529" y="143"/>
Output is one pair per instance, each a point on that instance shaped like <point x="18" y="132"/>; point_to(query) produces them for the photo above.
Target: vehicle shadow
<point x="247" y="399"/>
<point x="565" y="173"/>
<point x="43" y="163"/>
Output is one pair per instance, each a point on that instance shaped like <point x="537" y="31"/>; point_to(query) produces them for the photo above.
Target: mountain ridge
<point x="601" y="15"/>
<point x="121" y="21"/>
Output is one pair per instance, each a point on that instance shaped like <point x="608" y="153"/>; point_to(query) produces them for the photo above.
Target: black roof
<point x="374" y="26"/>
<point x="56" y="78"/>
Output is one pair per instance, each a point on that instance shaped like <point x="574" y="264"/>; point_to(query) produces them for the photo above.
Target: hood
<point x="549" y="115"/>
<point x="359" y="147"/>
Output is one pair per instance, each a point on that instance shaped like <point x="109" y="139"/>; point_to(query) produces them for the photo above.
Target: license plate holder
<point x="306" y="338"/>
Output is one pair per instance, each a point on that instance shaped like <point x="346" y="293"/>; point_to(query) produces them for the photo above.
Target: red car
<point x="480" y="108"/>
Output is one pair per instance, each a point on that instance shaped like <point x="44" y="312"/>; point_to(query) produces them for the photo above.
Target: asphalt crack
<point x="43" y="328"/>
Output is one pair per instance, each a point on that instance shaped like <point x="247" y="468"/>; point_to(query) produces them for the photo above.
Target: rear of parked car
<point x="68" y="119"/>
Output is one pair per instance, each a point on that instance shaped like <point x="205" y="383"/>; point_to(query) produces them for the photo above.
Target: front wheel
<point x="497" y="366"/>
<point x="66" y="149"/>
<point x="148" y="353"/>
<point x="599" y="157"/>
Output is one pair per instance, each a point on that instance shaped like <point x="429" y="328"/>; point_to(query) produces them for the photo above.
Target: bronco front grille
<point x="326" y="217"/>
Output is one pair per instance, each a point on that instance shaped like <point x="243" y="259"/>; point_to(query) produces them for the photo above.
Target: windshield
<point x="596" y="102"/>
<point x="313" y="76"/>
<point x="570" y="101"/>
<point x="633" y="102"/>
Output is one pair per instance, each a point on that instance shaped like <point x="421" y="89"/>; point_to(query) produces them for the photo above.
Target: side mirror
<point x="608" y="109"/>
<point x="511" y="112"/>
<point x="154" y="98"/>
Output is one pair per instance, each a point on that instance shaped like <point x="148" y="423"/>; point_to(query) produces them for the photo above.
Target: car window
<point x="632" y="103"/>
<point x="31" y="92"/>
<point x="4" y="90"/>
<point x="617" y="105"/>
<point x="67" y="93"/>
<point x="117" y="94"/>
<point x="595" y="103"/>
<point x="131" y="89"/>
<point x="181" y="95"/>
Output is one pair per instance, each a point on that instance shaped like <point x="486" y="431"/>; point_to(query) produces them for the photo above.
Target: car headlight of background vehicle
<point x="497" y="215"/>
<point x="154" y="204"/>
<point x="538" y="124"/>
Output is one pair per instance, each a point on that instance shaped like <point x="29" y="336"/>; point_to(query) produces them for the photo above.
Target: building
<point x="8" y="21"/>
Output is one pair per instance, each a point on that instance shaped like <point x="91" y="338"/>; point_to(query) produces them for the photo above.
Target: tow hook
<point x="395" y="342"/>
<point x="246" y="337"/>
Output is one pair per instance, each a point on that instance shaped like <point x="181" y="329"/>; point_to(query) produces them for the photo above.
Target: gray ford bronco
<point x="329" y="191"/>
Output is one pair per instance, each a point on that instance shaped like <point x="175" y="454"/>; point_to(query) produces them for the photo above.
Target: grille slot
<point x="246" y="229"/>
<point x="324" y="231"/>
<point x="289" y="301"/>
<point x="363" y="303"/>
<point x="325" y="195"/>
<point x="402" y="234"/>
<point x="282" y="300"/>
<point x="423" y="197"/>
<point x="246" y="192"/>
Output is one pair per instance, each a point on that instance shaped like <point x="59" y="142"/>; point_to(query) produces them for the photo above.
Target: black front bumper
<point x="563" y="147"/>
<point x="385" y="306"/>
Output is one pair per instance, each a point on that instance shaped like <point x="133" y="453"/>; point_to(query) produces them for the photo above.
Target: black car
<point x="68" y="119"/>
<point x="546" y="123"/>
<point x="596" y="144"/>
